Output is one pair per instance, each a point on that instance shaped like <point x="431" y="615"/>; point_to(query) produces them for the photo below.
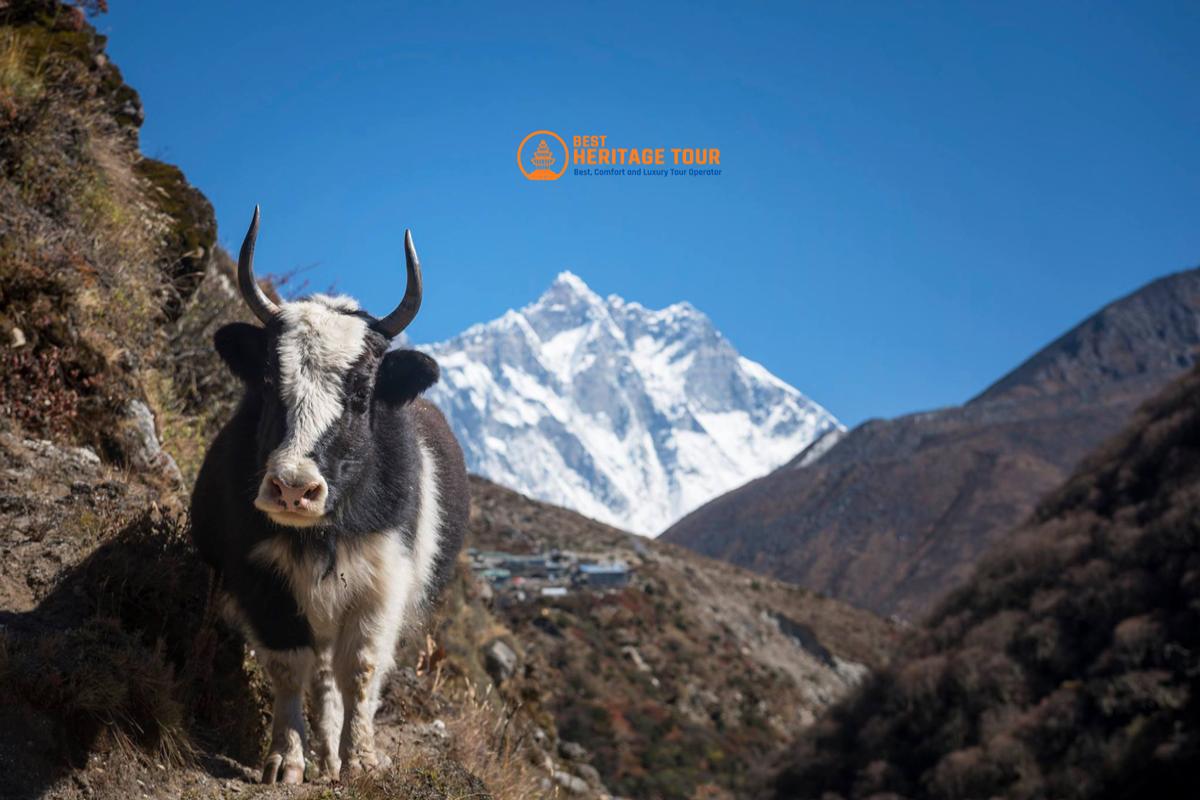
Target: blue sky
<point x="915" y="196"/>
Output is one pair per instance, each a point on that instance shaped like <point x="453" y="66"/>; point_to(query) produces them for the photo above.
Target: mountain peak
<point x="569" y="280"/>
<point x="1152" y="331"/>
<point x="570" y="290"/>
<point x="565" y="305"/>
<point x="629" y="415"/>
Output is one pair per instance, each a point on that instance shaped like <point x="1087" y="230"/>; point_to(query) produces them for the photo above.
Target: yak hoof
<point x="277" y="770"/>
<point x="366" y="762"/>
<point x="329" y="769"/>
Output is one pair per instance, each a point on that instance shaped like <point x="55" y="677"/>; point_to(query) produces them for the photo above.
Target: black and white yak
<point x="331" y="507"/>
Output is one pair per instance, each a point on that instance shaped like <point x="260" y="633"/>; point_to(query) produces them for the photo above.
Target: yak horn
<point x="399" y="319"/>
<point x="259" y="303"/>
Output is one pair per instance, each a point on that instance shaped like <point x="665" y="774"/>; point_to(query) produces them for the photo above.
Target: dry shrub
<point x="99" y="679"/>
<point x="918" y="682"/>
<point x="996" y="632"/>
<point x="1135" y="638"/>
<point x="963" y="773"/>
<point x="149" y="578"/>
<point x="36" y="391"/>
<point x="491" y="740"/>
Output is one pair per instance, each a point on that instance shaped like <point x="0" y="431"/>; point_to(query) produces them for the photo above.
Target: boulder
<point x="571" y="783"/>
<point x="572" y="751"/>
<point x="141" y="446"/>
<point x="589" y="774"/>
<point x="500" y="660"/>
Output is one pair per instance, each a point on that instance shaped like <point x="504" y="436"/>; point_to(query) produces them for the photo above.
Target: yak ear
<point x="243" y="348"/>
<point x="404" y="374"/>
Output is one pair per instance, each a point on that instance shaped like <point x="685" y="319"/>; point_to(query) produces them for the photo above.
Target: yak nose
<point x="306" y="496"/>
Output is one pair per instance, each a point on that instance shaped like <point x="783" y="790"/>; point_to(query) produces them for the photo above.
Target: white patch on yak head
<point x="320" y="340"/>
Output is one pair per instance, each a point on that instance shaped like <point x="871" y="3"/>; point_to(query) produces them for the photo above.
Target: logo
<point x="544" y="156"/>
<point x="540" y="153"/>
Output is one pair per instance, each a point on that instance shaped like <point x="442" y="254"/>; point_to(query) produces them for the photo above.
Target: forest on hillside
<point x="1068" y="667"/>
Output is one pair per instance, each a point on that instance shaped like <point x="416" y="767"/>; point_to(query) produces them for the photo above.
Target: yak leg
<point x="289" y="671"/>
<point x="326" y="706"/>
<point x="364" y="657"/>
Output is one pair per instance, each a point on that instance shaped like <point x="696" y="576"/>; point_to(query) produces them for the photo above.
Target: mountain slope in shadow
<point x="1066" y="667"/>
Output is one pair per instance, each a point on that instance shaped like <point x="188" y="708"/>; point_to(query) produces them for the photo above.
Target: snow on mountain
<point x="628" y="415"/>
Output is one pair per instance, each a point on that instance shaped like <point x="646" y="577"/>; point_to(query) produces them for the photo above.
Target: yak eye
<point x="360" y="396"/>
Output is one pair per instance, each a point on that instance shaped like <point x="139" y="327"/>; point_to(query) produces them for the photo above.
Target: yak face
<point x="322" y="374"/>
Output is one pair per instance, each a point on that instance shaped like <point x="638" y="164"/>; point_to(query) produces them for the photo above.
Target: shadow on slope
<point x="124" y="653"/>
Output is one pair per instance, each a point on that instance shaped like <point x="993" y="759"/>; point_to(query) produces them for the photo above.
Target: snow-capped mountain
<point x="628" y="415"/>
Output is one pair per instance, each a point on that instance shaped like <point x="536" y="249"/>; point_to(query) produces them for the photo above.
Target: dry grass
<point x="425" y="777"/>
<point x="491" y="741"/>
<point x="101" y="248"/>
<point x="194" y="393"/>
<point x="20" y="80"/>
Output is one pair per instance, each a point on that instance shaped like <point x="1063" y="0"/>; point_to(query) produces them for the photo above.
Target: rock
<point x="17" y="337"/>
<point x="636" y="657"/>
<point x="486" y="594"/>
<point x="500" y="660"/>
<point x="589" y="774"/>
<point x="571" y="783"/>
<point x="134" y="111"/>
<point x="142" y="433"/>
<point x="142" y="447"/>
<point x="572" y="751"/>
<point x="434" y="730"/>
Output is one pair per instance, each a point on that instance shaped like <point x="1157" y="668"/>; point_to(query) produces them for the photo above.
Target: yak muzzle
<point x="294" y="496"/>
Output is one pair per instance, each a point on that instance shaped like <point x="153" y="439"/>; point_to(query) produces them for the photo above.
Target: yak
<point x="330" y="507"/>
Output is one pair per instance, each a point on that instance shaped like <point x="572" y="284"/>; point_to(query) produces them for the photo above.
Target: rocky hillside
<point x="116" y="674"/>
<point x="630" y="415"/>
<point x="102" y="248"/>
<point x="682" y="682"/>
<point x="1067" y="667"/>
<point x="897" y="512"/>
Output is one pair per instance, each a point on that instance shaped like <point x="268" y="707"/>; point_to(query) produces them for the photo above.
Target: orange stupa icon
<point x="542" y="160"/>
